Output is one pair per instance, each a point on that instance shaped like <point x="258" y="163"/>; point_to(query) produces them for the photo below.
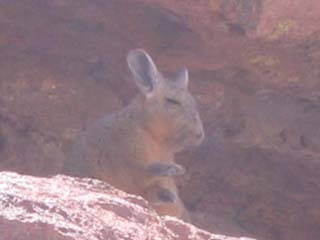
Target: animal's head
<point x="169" y="110"/>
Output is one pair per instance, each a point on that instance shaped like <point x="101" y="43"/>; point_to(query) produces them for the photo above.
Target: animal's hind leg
<point x="164" y="198"/>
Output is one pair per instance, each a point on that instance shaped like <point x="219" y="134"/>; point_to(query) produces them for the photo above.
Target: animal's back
<point x="99" y="141"/>
<point x="112" y="149"/>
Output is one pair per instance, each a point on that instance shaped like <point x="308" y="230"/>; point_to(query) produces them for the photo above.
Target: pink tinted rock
<point x="291" y="18"/>
<point x="63" y="208"/>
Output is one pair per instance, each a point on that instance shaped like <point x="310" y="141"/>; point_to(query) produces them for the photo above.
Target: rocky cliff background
<point x="254" y="68"/>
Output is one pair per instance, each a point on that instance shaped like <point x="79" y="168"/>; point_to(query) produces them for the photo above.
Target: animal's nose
<point x="200" y="135"/>
<point x="195" y="118"/>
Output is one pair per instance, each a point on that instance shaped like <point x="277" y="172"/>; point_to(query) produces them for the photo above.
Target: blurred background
<point x="254" y="69"/>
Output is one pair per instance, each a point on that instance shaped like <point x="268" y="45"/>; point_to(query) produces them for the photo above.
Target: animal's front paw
<point x="175" y="170"/>
<point x="165" y="169"/>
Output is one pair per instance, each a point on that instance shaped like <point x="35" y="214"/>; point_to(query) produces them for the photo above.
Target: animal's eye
<point x="172" y="101"/>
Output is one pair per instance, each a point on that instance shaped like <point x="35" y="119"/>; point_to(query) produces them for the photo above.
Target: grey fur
<point x="134" y="149"/>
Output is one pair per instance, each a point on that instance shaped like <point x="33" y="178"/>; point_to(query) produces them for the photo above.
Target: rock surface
<point x="254" y="68"/>
<point x="64" y="208"/>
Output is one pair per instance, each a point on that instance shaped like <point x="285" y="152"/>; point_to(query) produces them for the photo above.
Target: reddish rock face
<point x="254" y="68"/>
<point x="62" y="208"/>
<point x="289" y="19"/>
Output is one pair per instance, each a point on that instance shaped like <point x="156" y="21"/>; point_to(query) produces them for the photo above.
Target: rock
<point x="294" y="19"/>
<point x="64" y="208"/>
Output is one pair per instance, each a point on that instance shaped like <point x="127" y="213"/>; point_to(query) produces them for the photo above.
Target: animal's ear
<point x="144" y="70"/>
<point x="182" y="77"/>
